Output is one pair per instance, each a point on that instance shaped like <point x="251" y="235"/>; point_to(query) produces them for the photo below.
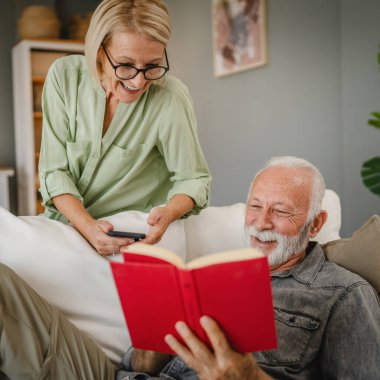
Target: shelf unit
<point x="31" y="60"/>
<point x="5" y="173"/>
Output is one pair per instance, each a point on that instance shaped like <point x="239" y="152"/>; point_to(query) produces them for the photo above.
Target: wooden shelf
<point x="31" y="60"/>
<point x="37" y="182"/>
<point x="39" y="208"/>
<point x="5" y="173"/>
<point x="59" y="41"/>
<point x="37" y="79"/>
<point x="8" y="172"/>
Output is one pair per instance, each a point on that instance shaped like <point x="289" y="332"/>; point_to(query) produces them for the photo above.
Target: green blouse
<point x="149" y="153"/>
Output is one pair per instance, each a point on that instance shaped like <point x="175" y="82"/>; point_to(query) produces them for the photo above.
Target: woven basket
<point x="39" y="21"/>
<point x="79" y="25"/>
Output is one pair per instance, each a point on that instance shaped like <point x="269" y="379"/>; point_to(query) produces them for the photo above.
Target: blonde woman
<point x="118" y="132"/>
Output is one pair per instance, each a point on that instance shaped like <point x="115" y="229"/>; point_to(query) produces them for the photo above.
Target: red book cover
<point x="156" y="290"/>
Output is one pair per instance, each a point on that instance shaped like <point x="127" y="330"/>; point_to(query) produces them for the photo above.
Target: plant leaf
<point x="376" y="121"/>
<point x="376" y="114"/>
<point x="371" y="174"/>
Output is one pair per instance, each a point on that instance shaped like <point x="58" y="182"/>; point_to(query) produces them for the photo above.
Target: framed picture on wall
<point x="239" y="35"/>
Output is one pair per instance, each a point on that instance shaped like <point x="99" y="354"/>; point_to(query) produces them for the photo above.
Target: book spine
<point x="191" y="302"/>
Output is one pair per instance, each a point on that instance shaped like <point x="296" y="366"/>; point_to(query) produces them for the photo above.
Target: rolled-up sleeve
<point x="54" y="174"/>
<point x="179" y="144"/>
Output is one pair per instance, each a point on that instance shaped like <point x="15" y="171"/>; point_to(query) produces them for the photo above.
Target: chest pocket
<point x="295" y="333"/>
<point x="118" y="162"/>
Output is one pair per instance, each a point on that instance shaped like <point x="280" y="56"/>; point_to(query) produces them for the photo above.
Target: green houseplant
<point x="371" y="168"/>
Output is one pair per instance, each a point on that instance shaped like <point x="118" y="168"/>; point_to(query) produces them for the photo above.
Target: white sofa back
<point x="61" y="266"/>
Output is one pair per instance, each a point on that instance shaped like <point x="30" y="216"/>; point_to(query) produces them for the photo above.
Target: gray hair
<point x="318" y="186"/>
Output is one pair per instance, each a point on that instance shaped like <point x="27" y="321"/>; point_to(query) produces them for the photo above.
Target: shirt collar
<point x="307" y="270"/>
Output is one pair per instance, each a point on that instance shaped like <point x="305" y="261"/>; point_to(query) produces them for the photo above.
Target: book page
<point x="224" y="257"/>
<point x="156" y="252"/>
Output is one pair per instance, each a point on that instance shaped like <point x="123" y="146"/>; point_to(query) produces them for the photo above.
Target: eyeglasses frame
<point x="115" y="67"/>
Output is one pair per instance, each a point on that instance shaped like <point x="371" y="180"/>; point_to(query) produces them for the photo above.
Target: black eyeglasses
<point x="127" y="71"/>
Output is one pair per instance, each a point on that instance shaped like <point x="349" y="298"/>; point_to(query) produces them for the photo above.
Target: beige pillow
<point x="360" y="253"/>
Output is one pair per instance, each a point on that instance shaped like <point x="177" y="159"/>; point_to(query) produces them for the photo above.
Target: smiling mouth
<point x="264" y="241"/>
<point x="129" y="89"/>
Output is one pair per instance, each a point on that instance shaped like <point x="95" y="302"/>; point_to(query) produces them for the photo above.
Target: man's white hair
<point x="317" y="187"/>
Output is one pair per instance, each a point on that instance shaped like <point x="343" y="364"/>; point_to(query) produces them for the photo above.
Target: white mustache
<point x="286" y="246"/>
<point x="263" y="235"/>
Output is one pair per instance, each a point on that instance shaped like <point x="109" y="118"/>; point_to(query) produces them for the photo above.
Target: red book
<point x="157" y="289"/>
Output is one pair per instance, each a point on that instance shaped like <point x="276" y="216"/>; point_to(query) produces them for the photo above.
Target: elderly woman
<point x="118" y="133"/>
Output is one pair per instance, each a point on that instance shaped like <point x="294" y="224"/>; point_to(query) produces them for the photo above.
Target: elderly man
<point x="327" y="318"/>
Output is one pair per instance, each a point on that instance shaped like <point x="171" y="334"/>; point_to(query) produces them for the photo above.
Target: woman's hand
<point x="94" y="231"/>
<point x="159" y="220"/>
<point x="96" y="234"/>
<point x="223" y="363"/>
<point x="160" y="217"/>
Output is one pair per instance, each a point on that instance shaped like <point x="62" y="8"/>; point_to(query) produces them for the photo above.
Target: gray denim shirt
<point x="327" y="321"/>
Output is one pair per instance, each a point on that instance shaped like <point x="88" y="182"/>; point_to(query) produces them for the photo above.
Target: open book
<point x="157" y="289"/>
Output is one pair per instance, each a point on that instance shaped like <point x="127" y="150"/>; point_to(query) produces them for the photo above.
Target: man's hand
<point x="222" y="364"/>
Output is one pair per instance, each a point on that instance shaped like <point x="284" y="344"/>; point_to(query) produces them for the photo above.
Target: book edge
<point x="225" y="257"/>
<point x="154" y="251"/>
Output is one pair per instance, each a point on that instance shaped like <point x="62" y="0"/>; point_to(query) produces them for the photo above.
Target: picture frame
<point x="239" y="34"/>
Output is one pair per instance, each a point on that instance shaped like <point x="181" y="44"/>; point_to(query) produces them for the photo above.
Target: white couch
<point x="55" y="260"/>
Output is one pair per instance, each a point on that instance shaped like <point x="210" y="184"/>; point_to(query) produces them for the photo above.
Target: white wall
<point x="291" y="106"/>
<point x="312" y="100"/>
<point x="360" y="38"/>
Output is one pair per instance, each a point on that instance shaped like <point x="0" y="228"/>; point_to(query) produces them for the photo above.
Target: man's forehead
<point x="283" y="183"/>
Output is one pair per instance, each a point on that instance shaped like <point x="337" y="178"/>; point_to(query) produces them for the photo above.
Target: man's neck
<point x="292" y="262"/>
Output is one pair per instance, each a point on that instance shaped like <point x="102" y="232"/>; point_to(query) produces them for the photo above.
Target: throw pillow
<point x="360" y="253"/>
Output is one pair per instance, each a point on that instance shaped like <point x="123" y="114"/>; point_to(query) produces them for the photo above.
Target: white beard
<point x="287" y="246"/>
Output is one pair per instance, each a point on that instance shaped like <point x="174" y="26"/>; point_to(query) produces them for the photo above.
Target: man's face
<point x="277" y="211"/>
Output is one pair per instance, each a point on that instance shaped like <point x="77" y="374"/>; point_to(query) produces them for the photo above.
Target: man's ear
<point x="317" y="223"/>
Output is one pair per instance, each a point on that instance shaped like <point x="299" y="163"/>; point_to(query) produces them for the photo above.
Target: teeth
<point x="263" y="240"/>
<point x="129" y="88"/>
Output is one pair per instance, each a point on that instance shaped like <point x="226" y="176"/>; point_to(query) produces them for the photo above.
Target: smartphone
<point x="132" y="235"/>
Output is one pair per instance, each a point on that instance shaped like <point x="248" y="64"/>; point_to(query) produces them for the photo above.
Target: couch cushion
<point x="215" y="229"/>
<point x="330" y="230"/>
<point x="360" y="253"/>
<point x="62" y="267"/>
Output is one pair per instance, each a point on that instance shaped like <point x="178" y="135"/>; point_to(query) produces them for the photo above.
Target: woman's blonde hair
<point x="149" y="18"/>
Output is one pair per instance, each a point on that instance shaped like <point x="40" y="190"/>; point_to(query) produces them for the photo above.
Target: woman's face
<point x="133" y="49"/>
